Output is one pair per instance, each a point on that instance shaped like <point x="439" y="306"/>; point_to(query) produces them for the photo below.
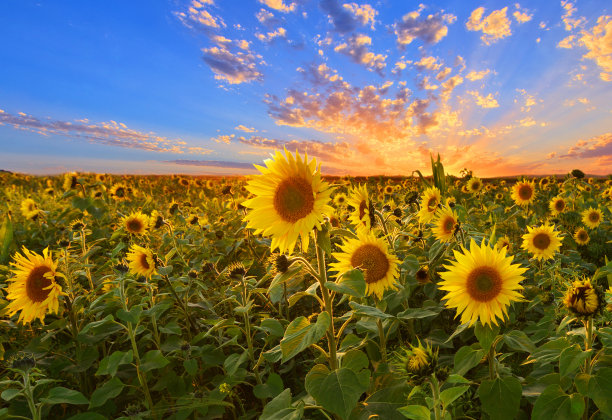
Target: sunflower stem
<point x="247" y="327"/>
<point x="384" y="226"/>
<point x="588" y="345"/>
<point x="178" y="250"/>
<point x="182" y="305"/>
<point x="331" y="336"/>
<point x="491" y="357"/>
<point x="383" y="340"/>
<point x="29" y="395"/>
<point x="87" y="271"/>
<point x="435" y="390"/>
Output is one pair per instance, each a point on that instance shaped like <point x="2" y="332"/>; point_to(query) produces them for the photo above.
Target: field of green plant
<point x="288" y="295"/>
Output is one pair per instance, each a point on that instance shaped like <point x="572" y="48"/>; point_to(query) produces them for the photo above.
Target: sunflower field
<point x="289" y="295"/>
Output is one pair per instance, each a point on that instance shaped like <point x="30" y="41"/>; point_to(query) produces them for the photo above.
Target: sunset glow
<point x="366" y="87"/>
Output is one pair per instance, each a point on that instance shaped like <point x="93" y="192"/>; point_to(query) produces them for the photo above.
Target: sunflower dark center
<point x="294" y="199"/>
<point x="449" y="225"/>
<point x="559" y="205"/>
<point x="582" y="235"/>
<point x="144" y="261"/>
<point x="475" y="186"/>
<point x="484" y="283"/>
<point x="36" y="283"/>
<point x="432" y="203"/>
<point x="373" y="260"/>
<point x="134" y="225"/>
<point x="541" y="241"/>
<point x="594" y="217"/>
<point x="340" y="199"/>
<point x="120" y="192"/>
<point x="525" y="192"/>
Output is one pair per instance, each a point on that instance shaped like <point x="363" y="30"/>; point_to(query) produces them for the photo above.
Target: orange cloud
<point x="494" y="27"/>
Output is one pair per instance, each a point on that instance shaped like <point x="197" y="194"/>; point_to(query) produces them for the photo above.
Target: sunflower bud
<point x="280" y="263"/>
<point x="584" y="299"/>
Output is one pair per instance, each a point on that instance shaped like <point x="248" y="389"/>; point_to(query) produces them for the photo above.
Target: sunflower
<point x="363" y="216"/>
<point x="119" y="192"/>
<point x="583" y="299"/>
<point x="70" y="181"/>
<point x="544" y="183"/>
<point x="482" y="282"/>
<point x="581" y="236"/>
<point x="340" y="199"/>
<point x="504" y="241"/>
<point x="422" y="275"/>
<point x="136" y="223"/>
<point x="389" y="189"/>
<point x="290" y="200"/>
<point x="557" y="205"/>
<point x="33" y="290"/>
<point x="523" y="193"/>
<point x="474" y="185"/>
<point x="499" y="196"/>
<point x="416" y="362"/>
<point x="371" y="254"/>
<point x="29" y="209"/>
<point x="592" y="217"/>
<point x="541" y="241"/>
<point x="430" y="199"/>
<point x="445" y="224"/>
<point x="141" y="261"/>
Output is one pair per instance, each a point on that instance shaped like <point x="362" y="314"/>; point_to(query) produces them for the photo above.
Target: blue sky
<point x="211" y="86"/>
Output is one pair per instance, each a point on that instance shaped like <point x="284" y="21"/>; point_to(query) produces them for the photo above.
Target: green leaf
<point x="553" y="403"/>
<point x="571" y="358"/>
<point x="384" y="404"/>
<point x="518" y="341"/>
<point x="273" y="387"/>
<point x="273" y="327"/>
<point x="110" y="364"/>
<point x="132" y="316"/>
<point x="97" y="331"/>
<point x="340" y="391"/>
<point x="415" y="412"/>
<point x="603" y="271"/>
<point x="598" y="387"/>
<point x="6" y="239"/>
<point x="323" y="240"/>
<point x="153" y="359"/>
<point x="350" y="283"/>
<point x="166" y="270"/>
<point x="300" y="334"/>
<point x="110" y="389"/>
<point x="315" y="378"/>
<point x="90" y="415"/>
<point x="486" y="335"/>
<point x="191" y="366"/>
<point x="61" y="395"/>
<point x="420" y="313"/>
<point x="355" y="360"/>
<point x="280" y="408"/>
<point x="451" y="394"/>
<point x="9" y="394"/>
<point x="466" y="358"/>
<point x="550" y="351"/>
<point x="369" y="311"/>
<point x="501" y="397"/>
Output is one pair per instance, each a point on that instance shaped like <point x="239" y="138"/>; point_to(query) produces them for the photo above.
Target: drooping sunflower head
<point x="136" y="223"/>
<point x="474" y="185"/>
<point x="583" y="298"/>
<point x="290" y="200"/>
<point x="415" y="362"/>
<point x="544" y="183"/>
<point x="481" y="283"/>
<point x="592" y="217"/>
<point x="77" y="225"/>
<point x="581" y="236"/>
<point x="372" y="255"/>
<point x="141" y="261"/>
<point x="70" y="181"/>
<point x="542" y="241"/>
<point x="362" y="216"/>
<point x="430" y="199"/>
<point x="235" y="270"/>
<point x="523" y="193"/>
<point x="504" y="242"/>
<point x="422" y="275"/>
<point x="279" y="263"/>
<point x="119" y="192"/>
<point x="193" y="220"/>
<point x="29" y="209"/>
<point x="33" y="290"/>
<point x="156" y="220"/>
<point x="445" y="224"/>
<point x="557" y="205"/>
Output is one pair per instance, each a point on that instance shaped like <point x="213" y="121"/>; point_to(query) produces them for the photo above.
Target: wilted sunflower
<point x="592" y="217"/>
<point x="583" y="299"/>
<point x="474" y="185"/>
<point x="523" y="193"/>
<point x="33" y="290"/>
<point x="422" y="275"/>
<point x="119" y="192"/>
<point x="541" y="241"/>
<point x="581" y="236"/>
<point x="193" y="220"/>
<point x="430" y="199"/>
<point x="372" y="255"/>
<point x="445" y="224"/>
<point x="362" y="216"/>
<point x="340" y="199"/>
<point x="290" y="200"/>
<point x="482" y="282"/>
<point x="29" y="209"/>
<point x="136" y="223"/>
<point x="557" y="205"/>
<point x="70" y="181"/>
<point x="141" y="261"/>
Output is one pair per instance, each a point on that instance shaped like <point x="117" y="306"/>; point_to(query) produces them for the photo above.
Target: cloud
<point x="529" y="100"/>
<point x="279" y="5"/>
<point x="216" y="163"/>
<point x="227" y="139"/>
<point x="245" y="129"/>
<point x="364" y="14"/>
<point x="356" y="48"/>
<point x="109" y="133"/>
<point x="234" y="67"/>
<point x="494" y="27"/>
<point x="198" y="16"/>
<point x="342" y="18"/>
<point x="329" y="151"/>
<point x="596" y="147"/>
<point x="477" y="75"/>
<point x="270" y="36"/>
<point x="599" y="44"/>
<point x="521" y="15"/>
<point x="267" y="18"/>
<point x="430" y="30"/>
<point x="569" y="22"/>
<point x="484" y="101"/>
<point x="428" y="63"/>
